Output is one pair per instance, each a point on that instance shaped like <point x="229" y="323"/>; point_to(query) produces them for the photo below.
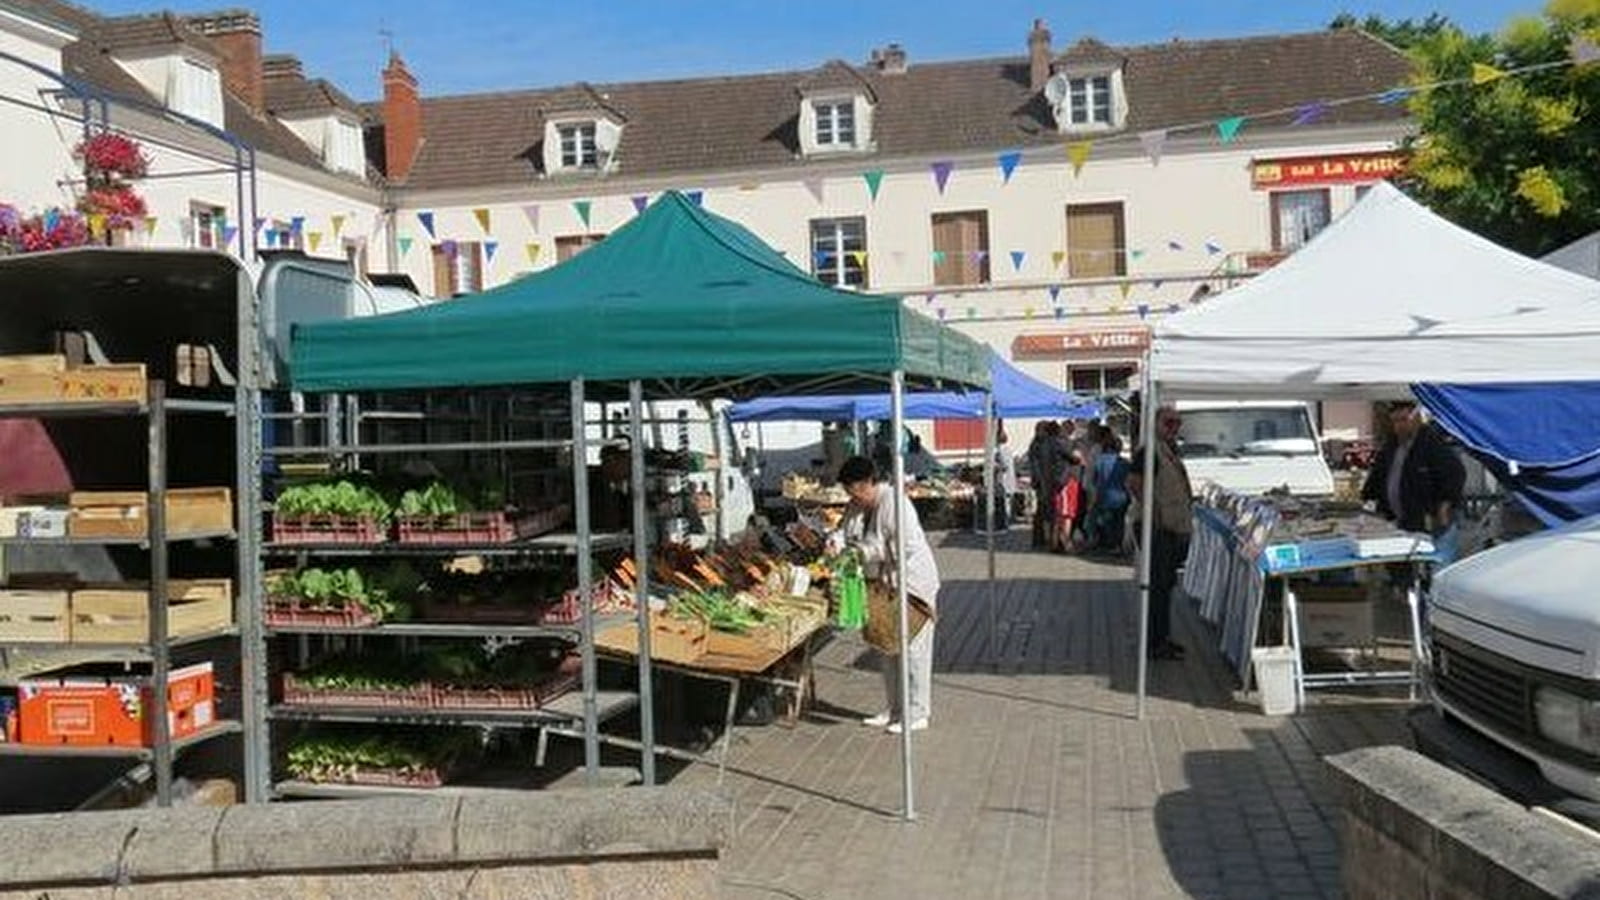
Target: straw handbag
<point x="882" y="630"/>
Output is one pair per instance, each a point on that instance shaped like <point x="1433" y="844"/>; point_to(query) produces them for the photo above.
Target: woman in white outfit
<point x="869" y="525"/>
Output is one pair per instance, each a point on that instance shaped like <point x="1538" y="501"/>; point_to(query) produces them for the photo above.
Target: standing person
<point x="1169" y="535"/>
<point x="1111" y="493"/>
<point x="869" y="526"/>
<point x="1417" y="480"/>
<point x="1005" y="466"/>
<point x="1044" y="467"/>
<point x="1086" y="452"/>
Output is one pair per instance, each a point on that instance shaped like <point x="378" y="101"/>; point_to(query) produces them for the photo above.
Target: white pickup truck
<point x="1253" y="447"/>
<point x="1514" y="674"/>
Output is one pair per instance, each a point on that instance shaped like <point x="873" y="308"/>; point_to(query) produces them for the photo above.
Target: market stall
<point x="677" y="304"/>
<point x="1388" y="297"/>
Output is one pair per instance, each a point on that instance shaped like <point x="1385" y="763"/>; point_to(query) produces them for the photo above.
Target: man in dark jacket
<point x="1416" y="480"/>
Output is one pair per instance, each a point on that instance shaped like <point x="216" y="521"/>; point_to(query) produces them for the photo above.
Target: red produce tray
<point x="288" y="612"/>
<point x="416" y="697"/>
<point x="462" y="528"/>
<point x="454" y="697"/>
<point x="326" y="530"/>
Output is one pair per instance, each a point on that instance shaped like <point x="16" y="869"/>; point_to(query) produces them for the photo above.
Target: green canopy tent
<point x="677" y="303"/>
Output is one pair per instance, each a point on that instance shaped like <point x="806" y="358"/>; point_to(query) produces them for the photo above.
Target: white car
<point x="1252" y="447"/>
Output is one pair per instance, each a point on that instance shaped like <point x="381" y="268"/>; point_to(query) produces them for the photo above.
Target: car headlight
<point x="1568" y="719"/>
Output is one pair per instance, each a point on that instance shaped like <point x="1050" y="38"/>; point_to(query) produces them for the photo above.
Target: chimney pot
<point x="889" y="59"/>
<point x="402" y="119"/>
<point x="1038" y="55"/>
<point x="237" y="33"/>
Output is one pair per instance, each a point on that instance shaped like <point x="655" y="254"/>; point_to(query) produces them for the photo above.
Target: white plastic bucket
<point x="1274" y="679"/>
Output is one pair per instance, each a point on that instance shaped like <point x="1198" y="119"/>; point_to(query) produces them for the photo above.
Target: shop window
<point x="1114" y="378"/>
<point x="839" y="251"/>
<point x="1095" y="241"/>
<point x="205" y="226"/>
<point x="1297" y="216"/>
<point x="457" y="269"/>
<point x="571" y="245"/>
<point x="961" y="248"/>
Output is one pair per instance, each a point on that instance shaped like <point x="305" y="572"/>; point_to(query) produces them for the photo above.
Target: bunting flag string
<point x="1395" y="95"/>
<point x="1009" y="161"/>
<point x="531" y="212"/>
<point x="482" y="215"/>
<point x="150" y="225"/>
<point x="640" y="201"/>
<point x="1309" y="113"/>
<point x="1154" y="144"/>
<point x="583" y="208"/>
<point x="874" y="181"/>
<point x="1228" y="128"/>
<point x="314" y="238"/>
<point x="424" y="216"/>
<point x="533" y="253"/>
<point x="1016" y="259"/>
<point x="1078" y="155"/>
<point x="489" y="247"/>
<point x="403" y="241"/>
<point x="941" y="173"/>
<point x="695" y="197"/>
<point x="338" y="223"/>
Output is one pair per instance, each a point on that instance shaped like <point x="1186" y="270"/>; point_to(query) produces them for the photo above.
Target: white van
<point x="1252" y="447"/>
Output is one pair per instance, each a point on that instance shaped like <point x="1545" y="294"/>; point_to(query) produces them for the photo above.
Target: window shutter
<point x="1095" y="241"/>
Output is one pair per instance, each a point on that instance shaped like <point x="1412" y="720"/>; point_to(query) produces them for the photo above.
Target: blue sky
<point x="456" y="47"/>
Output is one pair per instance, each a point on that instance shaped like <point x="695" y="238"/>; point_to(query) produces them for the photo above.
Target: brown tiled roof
<point x="288" y="92"/>
<point x="709" y="125"/>
<point x="159" y="30"/>
<point x="1090" y="52"/>
<point x="837" y="74"/>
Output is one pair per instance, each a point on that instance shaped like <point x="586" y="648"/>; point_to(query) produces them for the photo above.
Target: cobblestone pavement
<point x="1035" y="779"/>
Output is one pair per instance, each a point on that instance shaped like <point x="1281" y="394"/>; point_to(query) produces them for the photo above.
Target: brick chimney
<point x="402" y="119"/>
<point x="281" y="65"/>
<point x="890" y="60"/>
<point x="237" y="33"/>
<point x="1038" y="55"/>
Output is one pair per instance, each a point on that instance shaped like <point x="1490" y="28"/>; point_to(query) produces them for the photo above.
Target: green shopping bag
<point x="852" y="600"/>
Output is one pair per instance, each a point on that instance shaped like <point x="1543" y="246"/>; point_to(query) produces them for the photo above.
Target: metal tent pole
<point x="1147" y="502"/>
<point x="161" y="647"/>
<point x="580" y="516"/>
<point x="990" y="442"/>
<point x="897" y="399"/>
<point x="641" y="554"/>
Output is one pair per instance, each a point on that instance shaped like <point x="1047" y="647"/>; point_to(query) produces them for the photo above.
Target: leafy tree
<point x="1402" y="33"/>
<point x="1516" y="159"/>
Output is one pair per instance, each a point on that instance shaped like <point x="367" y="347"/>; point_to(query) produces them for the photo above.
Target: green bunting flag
<point x="405" y="245"/>
<point x="1228" y="128"/>
<point x="583" y="207"/>
<point x="874" y="181"/>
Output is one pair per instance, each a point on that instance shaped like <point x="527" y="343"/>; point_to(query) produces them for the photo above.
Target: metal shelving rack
<point x="575" y="715"/>
<point x="155" y="409"/>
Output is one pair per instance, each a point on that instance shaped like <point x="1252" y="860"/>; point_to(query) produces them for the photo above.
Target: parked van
<point x="1252" y="447"/>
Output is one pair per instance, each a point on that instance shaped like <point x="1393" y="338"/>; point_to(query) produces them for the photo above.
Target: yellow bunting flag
<point x="1027" y="312"/>
<point x="860" y="256"/>
<point x="1124" y="288"/>
<point x="97" y="224"/>
<point x="1057" y="257"/>
<point x="338" y="224"/>
<point x="1078" y="154"/>
<point x="315" y="239"/>
<point x="482" y="215"/>
<point x="1483" y="73"/>
<point x="533" y="254"/>
<point x="149" y="225"/>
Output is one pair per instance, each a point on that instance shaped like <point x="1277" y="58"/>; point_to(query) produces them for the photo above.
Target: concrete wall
<point x="1413" y="828"/>
<point x="637" y="843"/>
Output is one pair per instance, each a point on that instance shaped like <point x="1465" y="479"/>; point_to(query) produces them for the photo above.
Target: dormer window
<point x="578" y="147"/>
<point x="1089" y="100"/>
<point x="836" y="123"/>
<point x="344" y="150"/>
<point x="195" y="90"/>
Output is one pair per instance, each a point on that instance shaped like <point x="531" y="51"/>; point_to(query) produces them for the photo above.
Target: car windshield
<point x="1246" y="431"/>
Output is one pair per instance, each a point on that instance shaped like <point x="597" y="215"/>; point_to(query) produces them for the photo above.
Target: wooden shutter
<point x="1095" y="241"/>
<point x="960" y="236"/>
<point x="958" y="434"/>
<point x="444" y="274"/>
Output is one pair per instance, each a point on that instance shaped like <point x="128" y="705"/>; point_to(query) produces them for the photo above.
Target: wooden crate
<point x="122" y="383"/>
<point x="39" y="364"/>
<point x="34" y="616"/>
<point x="120" y="614"/>
<point x="125" y="514"/>
<point x="671" y="639"/>
<point x="29" y="387"/>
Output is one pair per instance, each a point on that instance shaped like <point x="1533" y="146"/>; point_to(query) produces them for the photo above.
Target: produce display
<point x="406" y="758"/>
<point x="341" y="596"/>
<point x="341" y="513"/>
<point x="452" y="674"/>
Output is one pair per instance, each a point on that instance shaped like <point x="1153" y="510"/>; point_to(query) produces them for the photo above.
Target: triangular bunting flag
<point x="1124" y="288"/>
<point x="1228" y="128"/>
<point x="1483" y="73"/>
<point x="1154" y="144"/>
<point x="259" y="222"/>
<point x="1583" y="50"/>
<point x="338" y="224"/>
<point x="1078" y="154"/>
<point x="450" y="248"/>
<point x="1008" y="164"/>
<point x="229" y="232"/>
<point x="97" y="224"/>
<point x="1061" y="312"/>
<point x="403" y="241"/>
<point x="297" y="224"/>
<point x="531" y="211"/>
<point x="640" y="201"/>
<point x="1309" y="113"/>
<point x="941" y="313"/>
<point x="150" y="225"/>
<point x="938" y="257"/>
<point x="314" y="238"/>
<point x="941" y="173"/>
<point x="1057" y="257"/>
<point x="978" y="256"/>
<point x="425" y="217"/>
<point x="1174" y="245"/>
<point x="860" y="256"/>
<point x="874" y="180"/>
<point x="1156" y="285"/>
<point x="814" y="187"/>
<point x="1212" y="249"/>
<point x="695" y="197"/>
<point x="1055" y="292"/>
<point x="1027" y="312"/>
<point x="1016" y="259"/>
<point x="1144" y="310"/>
<point x="929" y="299"/>
<point x="583" y="207"/>
<point x="1136" y="254"/>
<point x="1395" y="95"/>
<point x="272" y="239"/>
<point x="489" y="247"/>
<point x="482" y="215"/>
<point x="533" y="253"/>
<point x="821" y="258"/>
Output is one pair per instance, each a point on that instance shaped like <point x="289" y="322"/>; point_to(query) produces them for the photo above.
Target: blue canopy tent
<point x="1017" y="395"/>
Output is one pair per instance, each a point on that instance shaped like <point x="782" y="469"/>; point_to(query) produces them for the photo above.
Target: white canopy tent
<point x="1388" y="296"/>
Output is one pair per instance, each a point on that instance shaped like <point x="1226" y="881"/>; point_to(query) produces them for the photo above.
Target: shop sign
<point x="1349" y="168"/>
<point x="1048" y="346"/>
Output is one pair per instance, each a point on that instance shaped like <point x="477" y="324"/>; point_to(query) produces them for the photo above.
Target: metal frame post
<point x="897" y="399"/>
<point x="1147" y="502"/>
<point x="990" y="449"/>
<point x="161" y="657"/>
<point x="248" y="423"/>
<point x="580" y="516"/>
<point x="641" y="554"/>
